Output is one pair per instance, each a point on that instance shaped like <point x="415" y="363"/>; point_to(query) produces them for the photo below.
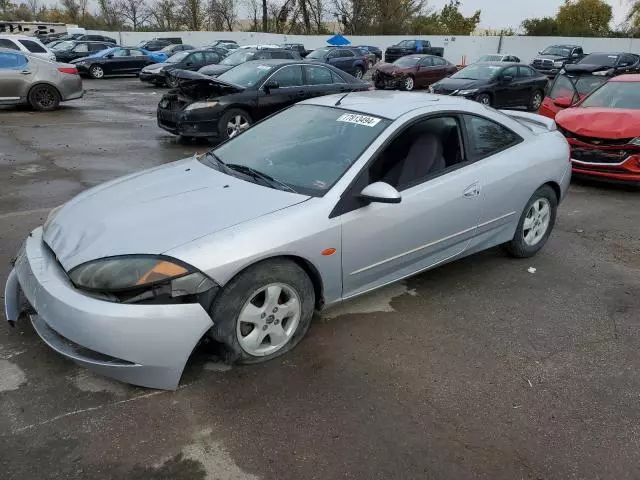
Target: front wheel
<point x="233" y="122"/>
<point x="407" y="84"/>
<point x="44" y="98"/>
<point x="264" y="311"/>
<point x="484" y="99"/>
<point x="96" y="71"/>
<point x="536" y="222"/>
<point x="536" y="100"/>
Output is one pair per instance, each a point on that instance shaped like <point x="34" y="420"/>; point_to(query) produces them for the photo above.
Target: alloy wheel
<point x="359" y="73"/>
<point x="97" y="72"/>
<point x="408" y="83"/>
<point x="237" y="125"/>
<point x="536" y="222"/>
<point x="536" y="101"/>
<point x="44" y="97"/>
<point x="269" y="319"/>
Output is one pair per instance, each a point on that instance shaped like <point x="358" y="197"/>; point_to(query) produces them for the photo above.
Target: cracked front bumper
<point x="145" y="345"/>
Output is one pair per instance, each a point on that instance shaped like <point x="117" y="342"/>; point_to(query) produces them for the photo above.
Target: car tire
<point x="275" y="299"/>
<point x="379" y="85"/>
<point x="359" y="73"/>
<point x="96" y="72"/>
<point x="536" y="223"/>
<point x="484" y="98"/>
<point x="233" y="122"/>
<point x="536" y="100"/>
<point x="44" y="98"/>
<point x="407" y="84"/>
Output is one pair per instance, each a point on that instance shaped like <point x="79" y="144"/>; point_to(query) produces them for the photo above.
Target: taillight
<point x="69" y="70"/>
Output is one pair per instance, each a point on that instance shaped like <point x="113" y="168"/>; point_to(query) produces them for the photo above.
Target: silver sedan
<point x="329" y="199"/>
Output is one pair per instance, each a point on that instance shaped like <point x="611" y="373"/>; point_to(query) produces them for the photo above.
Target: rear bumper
<point x="146" y="345"/>
<point x="70" y="87"/>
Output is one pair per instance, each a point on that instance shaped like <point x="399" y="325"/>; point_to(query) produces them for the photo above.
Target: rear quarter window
<point x="487" y="137"/>
<point x="33" y="47"/>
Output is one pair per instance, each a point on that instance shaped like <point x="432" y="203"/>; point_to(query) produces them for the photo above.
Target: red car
<point x="567" y="90"/>
<point x="604" y="131"/>
<point x="412" y="71"/>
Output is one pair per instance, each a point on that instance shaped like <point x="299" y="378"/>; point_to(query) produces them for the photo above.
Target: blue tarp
<point x="338" y="40"/>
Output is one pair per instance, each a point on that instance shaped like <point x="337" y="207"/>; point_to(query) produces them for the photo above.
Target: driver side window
<point x="510" y="72"/>
<point x="81" y="48"/>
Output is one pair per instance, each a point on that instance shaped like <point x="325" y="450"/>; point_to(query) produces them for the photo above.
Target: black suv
<point x="242" y="55"/>
<point x="97" y="38"/>
<point x="551" y="60"/>
<point x="72" y="49"/>
<point x="160" y="73"/>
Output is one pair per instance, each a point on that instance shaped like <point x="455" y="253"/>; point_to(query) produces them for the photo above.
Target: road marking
<point x="24" y="213"/>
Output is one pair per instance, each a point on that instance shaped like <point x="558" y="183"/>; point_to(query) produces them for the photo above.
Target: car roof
<point x="568" y="45"/>
<point x="629" y="77"/>
<point x="499" y="64"/>
<point x="388" y="104"/>
<point x="281" y="61"/>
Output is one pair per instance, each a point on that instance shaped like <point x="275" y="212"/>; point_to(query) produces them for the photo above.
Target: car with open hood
<point x="332" y="198"/>
<point x="160" y="73"/>
<point x="247" y="54"/>
<point x="603" y="131"/>
<point x="222" y="107"/>
<point x="412" y="71"/>
<point x="499" y="84"/>
<point x="114" y="61"/>
<point x="551" y="60"/>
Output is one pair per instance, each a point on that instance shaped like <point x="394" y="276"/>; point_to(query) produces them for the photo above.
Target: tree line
<point x="353" y="17"/>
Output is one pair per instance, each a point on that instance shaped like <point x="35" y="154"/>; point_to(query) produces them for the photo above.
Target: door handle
<point x="25" y="72"/>
<point x="472" y="190"/>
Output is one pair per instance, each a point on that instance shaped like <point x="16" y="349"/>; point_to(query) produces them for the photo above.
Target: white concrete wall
<point x="455" y="48"/>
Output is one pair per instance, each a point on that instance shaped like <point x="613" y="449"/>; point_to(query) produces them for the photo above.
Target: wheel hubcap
<point x="358" y="73"/>
<point x="236" y="125"/>
<point x="484" y="100"/>
<point x="268" y="320"/>
<point x="97" y="72"/>
<point x="536" y="222"/>
<point x="537" y="100"/>
<point x="409" y="83"/>
<point x="45" y="98"/>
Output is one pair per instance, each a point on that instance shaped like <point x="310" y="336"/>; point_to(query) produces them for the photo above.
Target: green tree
<point x="540" y="27"/>
<point x="454" y="23"/>
<point x="584" y="18"/>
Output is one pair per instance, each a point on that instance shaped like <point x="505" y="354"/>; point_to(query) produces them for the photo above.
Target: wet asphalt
<point x="478" y="369"/>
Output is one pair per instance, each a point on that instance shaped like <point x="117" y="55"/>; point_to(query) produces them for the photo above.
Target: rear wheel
<point x="536" y="223"/>
<point x="407" y="84"/>
<point x="96" y="71"/>
<point x="536" y="100"/>
<point x="263" y="312"/>
<point x="359" y="72"/>
<point x="44" y="98"/>
<point x="484" y="98"/>
<point x="233" y="122"/>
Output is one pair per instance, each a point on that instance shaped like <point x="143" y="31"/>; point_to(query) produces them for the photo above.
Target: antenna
<point x="342" y="98"/>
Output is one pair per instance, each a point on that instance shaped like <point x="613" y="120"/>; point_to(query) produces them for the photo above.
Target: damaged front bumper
<point x="146" y="345"/>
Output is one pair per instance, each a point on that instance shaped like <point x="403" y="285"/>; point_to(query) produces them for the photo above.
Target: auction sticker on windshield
<point x="358" y="119"/>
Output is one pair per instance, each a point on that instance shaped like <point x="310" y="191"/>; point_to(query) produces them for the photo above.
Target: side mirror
<point x="380" y="192"/>
<point x="270" y="85"/>
<point x="507" y="79"/>
<point x="563" y="102"/>
<point x="574" y="54"/>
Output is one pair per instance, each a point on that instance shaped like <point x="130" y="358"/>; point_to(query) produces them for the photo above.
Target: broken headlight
<point x="140" y="279"/>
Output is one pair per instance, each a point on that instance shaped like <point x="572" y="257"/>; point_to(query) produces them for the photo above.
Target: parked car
<point x="159" y="73"/>
<point x="114" y="61"/>
<point x="499" y="57"/>
<point x="344" y="58"/>
<point x="408" y="47"/>
<point x="228" y="44"/>
<point x="375" y="50"/>
<point x="159" y="43"/>
<point x="243" y="55"/>
<point x="370" y="56"/>
<point x="164" y="53"/>
<point x="71" y="49"/>
<point x="499" y="84"/>
<point x="603" y="131"/>
<point x="36" y="81"/>
<point x="412" y="71"/>
<point x="97" y="38"/>
<point x="550" y="60"/>
<point x="568" y="89"/>
<point x="29" y="45"/>
<point x="606" y="64"/>
<point x="297" y="47"/>
<point x="220" y="108"/>
<point x="64" y="37"/>
<point x="333" y="197"/>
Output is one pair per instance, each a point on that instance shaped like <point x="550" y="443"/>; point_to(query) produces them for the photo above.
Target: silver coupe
<point x="329" y="199"/>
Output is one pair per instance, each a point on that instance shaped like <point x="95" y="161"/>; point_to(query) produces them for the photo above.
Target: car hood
<point x="460" y="83"/>
<point x="550" y="57"/>
<point x="611" y="123"/>
<point x="198" y="86"/>
<point x="585" y="68"/>
<point x="154" y="67"/>
<point x="215" y="70"/>
<point x="156" y="210"/>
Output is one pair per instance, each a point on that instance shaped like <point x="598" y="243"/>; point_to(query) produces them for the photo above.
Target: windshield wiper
<point x="216" y="162"/>
<point x="258" y="175"/>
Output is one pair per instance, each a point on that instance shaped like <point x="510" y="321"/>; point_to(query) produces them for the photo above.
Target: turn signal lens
<point x="161" y="271"/>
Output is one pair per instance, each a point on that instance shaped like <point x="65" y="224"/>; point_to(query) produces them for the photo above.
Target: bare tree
<point x="110" y="13"/>
<point x="265" y="16"/>
<point x="135" y="12"/>
<point x="318" y="12"/>
<point x="34" y="6"/>
<point x="72" y="8"/>
<point x="193" y="12"/>
<point x="253" y="8"/>
<point x="164" y="15"/>
<point x="222" y="14"/>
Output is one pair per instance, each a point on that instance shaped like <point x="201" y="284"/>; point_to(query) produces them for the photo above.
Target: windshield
<point x="600" y="59"/>
<point x="62" y="46"/>
<point x="558" y="51"/>
<point x="178" y="57"/>
<point x="236" y="58"/>
<point x="406" y="62"/>
<point x="615" y="95"/>
<point x="490" y="58"/>
<point x="477" y="72"/>
<point x="575" y="88"/>
<point x="246" y="74"/>
<point x="306" y="147"/>
<point x="320" y="53"/>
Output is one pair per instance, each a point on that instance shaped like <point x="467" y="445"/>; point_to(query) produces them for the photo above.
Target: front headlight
<point x="136" y="278"/>
<point x="558" y="64"/>
<point x="635" y="142"/>
<point x="197" y="105"/>
<point x="604" y="72"/>
<point x="471" y="91"/>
